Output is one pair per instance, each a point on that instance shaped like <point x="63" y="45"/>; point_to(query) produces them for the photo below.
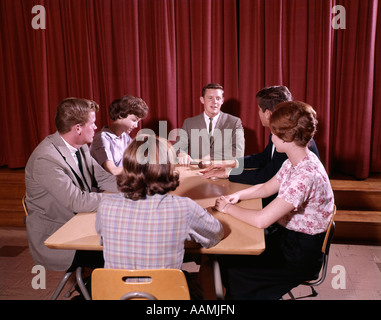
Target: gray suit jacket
<point x="54" y="195"/>
<point x="228" y="139"/>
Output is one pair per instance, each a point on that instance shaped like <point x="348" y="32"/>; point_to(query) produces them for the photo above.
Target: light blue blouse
<point x="108" y="146"/>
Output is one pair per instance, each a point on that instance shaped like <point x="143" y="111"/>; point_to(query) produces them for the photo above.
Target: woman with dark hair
<point x="295" y="221"/>
<point x="110" y="143"/>
<point x="144" y="227"/>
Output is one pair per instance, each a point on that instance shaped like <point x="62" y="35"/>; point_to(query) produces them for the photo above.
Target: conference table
<point x="240" y="238"/>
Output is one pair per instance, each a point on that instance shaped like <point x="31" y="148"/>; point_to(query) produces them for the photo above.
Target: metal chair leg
<point x="314" y="292"/>
<point x="291" y="295"/>
<point x="61" y="285"/>
<point x="69" y="291"/>
<point x="82" y="287"/>
<point x="217" y="279"/>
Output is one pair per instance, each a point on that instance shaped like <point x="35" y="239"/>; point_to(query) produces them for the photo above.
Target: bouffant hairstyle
<point x="73" y="111"/>
<point x="268" y="98"/>
<point x="294" y="121"/>
<point x="148" y="168"/>
<point x="122" y="107"/>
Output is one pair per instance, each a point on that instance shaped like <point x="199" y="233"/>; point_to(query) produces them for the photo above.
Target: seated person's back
<point x="144" y="227"/>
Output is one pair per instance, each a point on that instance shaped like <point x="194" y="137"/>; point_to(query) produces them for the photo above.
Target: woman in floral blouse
<point x="295" y="221"/>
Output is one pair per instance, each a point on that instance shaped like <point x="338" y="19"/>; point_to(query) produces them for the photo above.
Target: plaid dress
<point x="150" y="233"/>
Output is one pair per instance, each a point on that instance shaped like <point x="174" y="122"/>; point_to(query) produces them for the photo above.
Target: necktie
<point x="78" y="154"/>
<point x="210" y="129"/>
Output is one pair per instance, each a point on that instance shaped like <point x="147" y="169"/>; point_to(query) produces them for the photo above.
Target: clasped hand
<point x="223" y="201"/>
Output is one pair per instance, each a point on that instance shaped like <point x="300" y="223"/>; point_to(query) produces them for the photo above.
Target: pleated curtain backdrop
<point x="165" y="51"/>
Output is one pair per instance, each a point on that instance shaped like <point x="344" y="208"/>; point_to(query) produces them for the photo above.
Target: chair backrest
<point x="25" y="209"/>
<point x="329" y="233"/>
<point x="24" y="205"/>
<point x="160" y="284"/>
<point x="325" y="251"/>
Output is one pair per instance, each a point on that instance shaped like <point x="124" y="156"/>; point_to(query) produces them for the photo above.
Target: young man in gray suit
<point x="213" y="134"/>
<point x="61" y="180"/>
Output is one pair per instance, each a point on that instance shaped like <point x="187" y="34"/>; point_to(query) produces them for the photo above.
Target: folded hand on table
<point x="218" y="170"/>
<point x="223" y="201"/>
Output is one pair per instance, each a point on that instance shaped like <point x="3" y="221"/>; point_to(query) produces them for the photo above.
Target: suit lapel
<point x="276" y="155"/>
<point x="219" y="125"/>
<point x="68" y="158"/>
<point x="86" y="164"/>
<point x="221" y="120"/>
<point x="200" y="122"/>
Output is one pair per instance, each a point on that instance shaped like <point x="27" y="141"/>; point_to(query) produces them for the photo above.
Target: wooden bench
<point x="12" y="189"/>
<point x="358" y="210"/>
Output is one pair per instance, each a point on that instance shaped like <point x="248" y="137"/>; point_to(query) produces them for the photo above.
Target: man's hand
<point x="216" y="173"/>
<point x="220" y="170"/>
<point x="184" y="159"/>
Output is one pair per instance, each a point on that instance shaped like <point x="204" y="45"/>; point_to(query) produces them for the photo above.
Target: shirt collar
<point x="112" y="135"/>
<point x="71" y="148"/>
<point x="215" y="118"/>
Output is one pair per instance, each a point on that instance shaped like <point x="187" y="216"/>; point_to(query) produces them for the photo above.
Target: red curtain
<point x="283" y="42"/>
<point x="165" y="51"/>
<point x="376" y="127"/>
<point x="353" y="76"/>
<point x="206" y="52"/>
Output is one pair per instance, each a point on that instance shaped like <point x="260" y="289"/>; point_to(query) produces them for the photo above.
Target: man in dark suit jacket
<point x="213" y="134"/>
<point x="259" y="167"/>
<point x="60" y="177"/>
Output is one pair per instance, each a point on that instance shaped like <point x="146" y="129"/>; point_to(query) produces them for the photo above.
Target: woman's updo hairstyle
<point x="294" y="121"/>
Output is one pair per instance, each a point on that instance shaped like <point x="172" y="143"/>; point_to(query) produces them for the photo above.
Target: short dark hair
<point x="294" y="121"/>
<point x="211" y="86"/>
<point x="122" y="107"/>
<point x="141" y="176"/>
<point x="269" y="97"/>
<point x="72" y="111"/>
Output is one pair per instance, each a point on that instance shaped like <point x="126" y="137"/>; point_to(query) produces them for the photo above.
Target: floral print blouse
<point x="307" y="187"/>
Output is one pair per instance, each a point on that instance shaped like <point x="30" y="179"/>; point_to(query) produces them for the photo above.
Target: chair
<point x="24" y="206"/>
<point x="325" y="250"/>
<point x="158" y="284"/>
<point x="79" y="281"/>
<point x="67" y="276"/>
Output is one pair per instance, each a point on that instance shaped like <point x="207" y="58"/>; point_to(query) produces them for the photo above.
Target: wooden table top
<point x="240" y="238"/>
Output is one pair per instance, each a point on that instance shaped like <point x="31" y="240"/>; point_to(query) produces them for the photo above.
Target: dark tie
<point x="210" y="129"/>
<point x="78" y="154"/>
